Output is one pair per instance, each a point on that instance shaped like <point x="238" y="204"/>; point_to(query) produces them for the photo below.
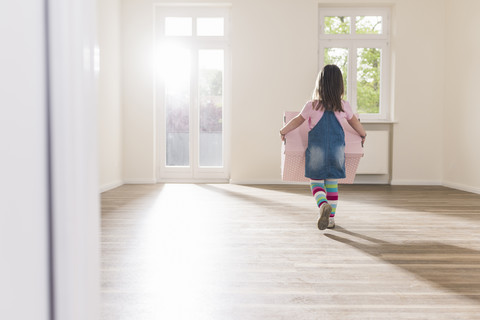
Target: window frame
<point x="352" y="42"/>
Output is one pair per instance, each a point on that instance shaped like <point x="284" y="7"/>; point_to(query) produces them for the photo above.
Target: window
<point x="192" y="88"/>
<point x="357" y="41"/>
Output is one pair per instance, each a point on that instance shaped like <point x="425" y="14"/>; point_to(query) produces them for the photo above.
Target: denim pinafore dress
<point x="325" y="154"/>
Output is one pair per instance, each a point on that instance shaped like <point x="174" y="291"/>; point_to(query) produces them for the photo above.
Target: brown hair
<point x="329" y="89"/>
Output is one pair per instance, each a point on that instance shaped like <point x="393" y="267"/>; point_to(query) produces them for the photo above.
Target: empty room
<point x="267" y="159"/>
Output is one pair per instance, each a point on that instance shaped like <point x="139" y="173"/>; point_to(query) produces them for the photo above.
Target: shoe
<point x="324" y="216"/>
<point x="331" y="223"/>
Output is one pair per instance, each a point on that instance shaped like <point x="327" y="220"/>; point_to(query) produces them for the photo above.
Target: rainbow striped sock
<point x="332" y="194"/>
<point x="318" y="191"/>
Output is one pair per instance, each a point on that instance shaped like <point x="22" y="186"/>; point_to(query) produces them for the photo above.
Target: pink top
<point x="313" y="116"/>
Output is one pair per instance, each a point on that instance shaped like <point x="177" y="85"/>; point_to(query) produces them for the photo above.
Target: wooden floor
<point x="227" y="252"/>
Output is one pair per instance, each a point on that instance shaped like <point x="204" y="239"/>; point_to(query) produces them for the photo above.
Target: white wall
<point x="137" y="91"/>
<point x="24" y="292"/>
<point x="110" y="138"/>
<point x="274" y="56"/>
<point x="462" y="108"/>
<point x="274" y="66"/>
<point x="418" y="48"/>
<point x="273" y="70"/>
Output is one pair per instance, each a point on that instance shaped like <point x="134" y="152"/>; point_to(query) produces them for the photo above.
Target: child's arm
<point x="357" y="126"/>
<point x="291" y="125"/>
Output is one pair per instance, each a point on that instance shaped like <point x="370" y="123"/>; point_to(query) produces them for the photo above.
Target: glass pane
<point x="368" y="24"/>
<point x="176" y="73"/>
<point x="178" y="26"/>
<point x="210" y="27"/>
<point x="210" y="85"/>
<point x="337" y="25"/>
<point x="368" y="80"/>
<point x="339" y="57"/>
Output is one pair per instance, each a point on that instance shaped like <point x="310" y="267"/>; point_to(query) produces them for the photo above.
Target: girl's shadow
<point x="451" y="267"/>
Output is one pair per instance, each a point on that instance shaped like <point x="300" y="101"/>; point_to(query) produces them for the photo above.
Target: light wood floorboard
<point x="227" y="252"/>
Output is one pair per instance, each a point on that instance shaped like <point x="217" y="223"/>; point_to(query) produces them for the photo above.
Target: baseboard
<point x="194" y="181"/>
<point x="462" y="187"/>
<point x="453" y="185"/>
<point x="111" y="185"/>
<point x="239" y="181"/>
<point x="397" y="182"/>
<point x="363" y="179"/>
<point x="359" y="179"/>
<point x="139" y="181"/>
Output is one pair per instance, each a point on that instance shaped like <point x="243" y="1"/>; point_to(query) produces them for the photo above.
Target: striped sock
<point x="332" y="194"/>
<point x="318" y="191"/>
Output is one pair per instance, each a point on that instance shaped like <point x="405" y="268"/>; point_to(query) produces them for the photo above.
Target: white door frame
<point x="194" y="174"/>
<point x="72" y="67"/>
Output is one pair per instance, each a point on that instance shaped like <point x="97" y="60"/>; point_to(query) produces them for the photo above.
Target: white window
<point x="192" y="92"/>
<point x="357" y="41"/>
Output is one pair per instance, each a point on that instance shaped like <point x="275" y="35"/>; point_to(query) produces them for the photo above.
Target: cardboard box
<point x="293" y="152"/>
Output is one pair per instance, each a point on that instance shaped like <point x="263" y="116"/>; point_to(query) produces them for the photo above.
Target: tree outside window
<point x="357" y="42"/>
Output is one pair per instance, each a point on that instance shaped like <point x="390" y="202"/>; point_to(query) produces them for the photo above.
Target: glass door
<point x="191" y="93"/>
<point x="211" y="101"/>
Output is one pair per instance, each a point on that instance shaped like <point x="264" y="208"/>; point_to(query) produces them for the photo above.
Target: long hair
<point x="329" y="89"/>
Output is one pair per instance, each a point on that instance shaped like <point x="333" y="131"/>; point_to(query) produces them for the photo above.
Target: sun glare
<point x="174" y="65"/>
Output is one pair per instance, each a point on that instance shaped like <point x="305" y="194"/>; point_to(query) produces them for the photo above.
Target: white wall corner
<point x="110" y="186"/>
<point x="462" y="187"/>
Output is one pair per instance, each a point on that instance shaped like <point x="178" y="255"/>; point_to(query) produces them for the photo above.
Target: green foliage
<point x="368" y="80"/>
<point x="211" y="98"/>
<point x="338" y="57"/>
<point x="210" y="82"/>
<point x="337" y="25"/>
<point x="368" y="25"/>
<point x="368" y="60"/>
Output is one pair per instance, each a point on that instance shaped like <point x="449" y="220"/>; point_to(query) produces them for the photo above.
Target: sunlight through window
<point x="210" y="27"/>
<point x="174" y="65"/>
<point x="178" y="26"/>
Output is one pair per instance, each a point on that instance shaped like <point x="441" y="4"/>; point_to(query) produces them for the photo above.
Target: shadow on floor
<point x="278" y="207"/>
<point x="451" y="267"/>
<point x="437" y="200"/>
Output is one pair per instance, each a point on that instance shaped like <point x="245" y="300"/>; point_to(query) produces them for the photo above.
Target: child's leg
<point x="332" y="194"/>
<point x="318" y="191"/>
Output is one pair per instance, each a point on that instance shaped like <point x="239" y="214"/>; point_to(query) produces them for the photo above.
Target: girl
<point x="325" y="154"/>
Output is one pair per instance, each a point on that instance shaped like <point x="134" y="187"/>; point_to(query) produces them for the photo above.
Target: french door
<point x="192" y="93"/>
